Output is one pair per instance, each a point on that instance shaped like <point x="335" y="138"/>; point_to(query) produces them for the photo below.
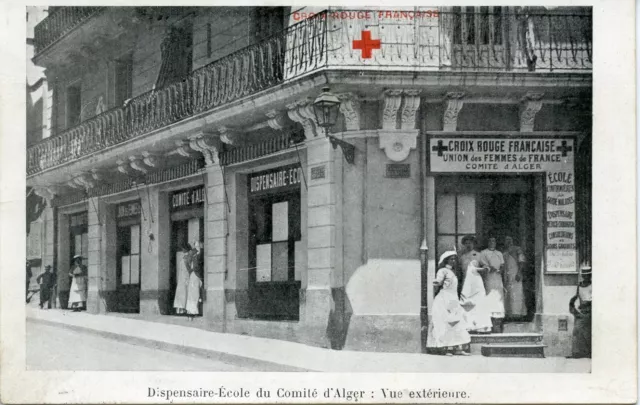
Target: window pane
<point x="470" y="25"/>
<point x="445" y="243"/>
<point x="280" y="261"/>
<point x="280" y="221"/>
<point x="135" y="269"/>
<point x="135" y="239"/>
<point x="78" y="245"/>
<point x="126" y="269"/>
<point x="446" y="213"/>
<point x="85" y="245"/>
<point x="263" y="262"/>
<point x="299" y="260"/>
<point x="466" y="213"/>
<point x="194" y="230"/>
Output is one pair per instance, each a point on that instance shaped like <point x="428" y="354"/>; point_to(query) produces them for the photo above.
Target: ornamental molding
<point x="231" y="136"/>
<point x="409" y="109"/>
<point x="277" y="120"/>
<point x="302" y="112"/>
<point x="184" y="148"/>
<point x="392" y="102"/>
<point x="397" y="144"/>
<point x="83" y="181"/>
<point x="136" y="163"/>
<point x="208" y="144"/>
<point x="350" y="109"/>
<point x="150" y="159"/>
<point x="454" y="103"/>
<point x="531" y="105"/>
<point x="48" y="192"/>
<point x="123" y="166"/>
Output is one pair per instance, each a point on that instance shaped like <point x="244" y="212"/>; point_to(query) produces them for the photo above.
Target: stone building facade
<point x="175" y="125"/>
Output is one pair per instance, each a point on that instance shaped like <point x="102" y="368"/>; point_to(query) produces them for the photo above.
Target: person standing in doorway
<point x="469" y="253"/>
<point x="182" y="281"/>
<point x="514" y="262"/>
<point x="78" y="292"/>
<point x="580" y="307"/>
<point x="195" y="283"/>
<point x="474" y="298"/>
<point x="493" y="259"/>
<point x="47" y="282"/>
<point x="447" y="330"/>
<point x="29" y="275"/>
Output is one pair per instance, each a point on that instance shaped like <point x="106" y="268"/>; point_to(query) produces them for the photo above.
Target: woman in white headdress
<point x="474" y="298"/>
<point x="447" y="331"/>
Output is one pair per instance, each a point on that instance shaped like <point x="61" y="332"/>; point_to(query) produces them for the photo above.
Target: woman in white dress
<point x="78" y="291"/>
<point x="182" y="281"/>
<point x="492" y="258"/>
<point x="195" y="282"/>
<point x="514" y="260"/>
<point x="447" y="331"/>
<point x="474" y="299"/>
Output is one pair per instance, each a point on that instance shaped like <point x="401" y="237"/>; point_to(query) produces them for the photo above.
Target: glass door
<point x="128" y="270"/>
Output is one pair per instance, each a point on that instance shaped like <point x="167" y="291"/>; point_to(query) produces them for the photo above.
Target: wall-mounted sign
<point x="128" y="210"/>
<point x="80" y="219"/>
<point x="188" y="198"/>
<point x="275" y="180"/>
<point x="553" y="157"/>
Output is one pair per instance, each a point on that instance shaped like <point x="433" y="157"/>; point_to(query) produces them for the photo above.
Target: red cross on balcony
<point x="440" y="148"/>
<point x="564" y="148"/>
<point x="366" y="44"/>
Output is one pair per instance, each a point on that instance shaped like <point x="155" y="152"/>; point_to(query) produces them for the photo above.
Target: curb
<point x="260" y="365"/>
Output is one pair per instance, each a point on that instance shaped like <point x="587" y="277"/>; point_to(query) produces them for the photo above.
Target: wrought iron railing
<point x="454" y="40"/>
<point x="60" y="21"/>
<point x="299" y="50"/>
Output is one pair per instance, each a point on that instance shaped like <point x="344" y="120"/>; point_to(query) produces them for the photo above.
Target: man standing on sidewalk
<point x="46" y="281"/>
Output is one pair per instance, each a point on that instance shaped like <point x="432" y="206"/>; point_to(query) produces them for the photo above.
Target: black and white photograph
<point x="302" y="189"/>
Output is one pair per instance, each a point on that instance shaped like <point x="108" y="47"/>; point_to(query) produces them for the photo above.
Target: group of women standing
<point x="189" y="282"/>
<point x="480" y="305"/>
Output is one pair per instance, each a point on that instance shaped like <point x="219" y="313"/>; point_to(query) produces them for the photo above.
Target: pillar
<point x="108" y="249"/>
<point x="155" y="253"/>
<point x="96" y="219"/>
<point x="321" y="237"/>
<point x="63" y="265"/>
<point x="48" y="253"/>
<point x="215" y="248"/>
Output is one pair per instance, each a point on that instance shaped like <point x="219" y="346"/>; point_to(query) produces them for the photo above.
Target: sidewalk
<point x="289" y="355"/>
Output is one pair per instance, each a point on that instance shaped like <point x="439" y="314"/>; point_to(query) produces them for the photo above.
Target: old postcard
<point x="319" y="204"/>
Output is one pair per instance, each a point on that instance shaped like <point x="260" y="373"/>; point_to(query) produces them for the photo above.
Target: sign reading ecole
<point x="280" y="179"/>
<point x="553" y="157"/>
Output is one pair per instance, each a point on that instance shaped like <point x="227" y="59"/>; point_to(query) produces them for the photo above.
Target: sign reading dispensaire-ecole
<point x="482" y="155"/>
<point x="276" y="179"/>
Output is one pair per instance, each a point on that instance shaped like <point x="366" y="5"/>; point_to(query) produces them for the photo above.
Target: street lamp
<point x="326" y="108"/>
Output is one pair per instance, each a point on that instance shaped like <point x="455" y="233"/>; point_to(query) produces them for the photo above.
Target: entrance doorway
<point x="183" y="232"/>
<point x="494" y="206"/>
<point x="128" y="270"/>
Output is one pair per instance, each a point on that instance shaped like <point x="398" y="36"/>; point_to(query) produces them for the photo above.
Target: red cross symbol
<point x="366" y="44"/>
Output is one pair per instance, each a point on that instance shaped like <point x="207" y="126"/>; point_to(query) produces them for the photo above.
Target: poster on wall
<point x="500" y="155"/>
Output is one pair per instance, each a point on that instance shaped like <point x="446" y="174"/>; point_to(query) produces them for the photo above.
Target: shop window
<point x="456" y="217"/>
<point x="129" y="237"/>
<point x="79" y="237"/>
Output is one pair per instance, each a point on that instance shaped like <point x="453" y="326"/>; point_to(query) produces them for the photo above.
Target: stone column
<point x="216" y="231"/>
<point x="109" y="264"/>
<point x="96" y="219"/>
<point x="321" y="228"/>
<point x="63" y="265"/>
<point x="155" y="253"/>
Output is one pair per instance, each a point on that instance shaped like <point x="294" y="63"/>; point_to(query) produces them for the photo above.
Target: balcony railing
<point x="60" y="21"/>
<point x="451" y="41"/>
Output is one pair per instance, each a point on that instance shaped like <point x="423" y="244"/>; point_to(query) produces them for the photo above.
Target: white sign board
<point x="553" y="157"/>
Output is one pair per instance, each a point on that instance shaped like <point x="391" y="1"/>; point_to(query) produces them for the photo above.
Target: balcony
<point x="450" y="41"/>
<point x="59" y="22"/>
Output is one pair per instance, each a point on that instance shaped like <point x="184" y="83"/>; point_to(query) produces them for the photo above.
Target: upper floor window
<point x="267" y="22"/>
<point x="74" y="105"/>
<point x="177" y="55"/>
<point x="477" y="26"/>
<point x="123" y="79"/>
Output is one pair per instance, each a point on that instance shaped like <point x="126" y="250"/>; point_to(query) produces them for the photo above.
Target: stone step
<point x="478" y="340"/>
<point x="505" y="338"/>
<point x="513" y="350"/>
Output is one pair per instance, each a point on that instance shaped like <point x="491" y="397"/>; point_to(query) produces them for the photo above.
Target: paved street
<point x="54" y="348"/>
